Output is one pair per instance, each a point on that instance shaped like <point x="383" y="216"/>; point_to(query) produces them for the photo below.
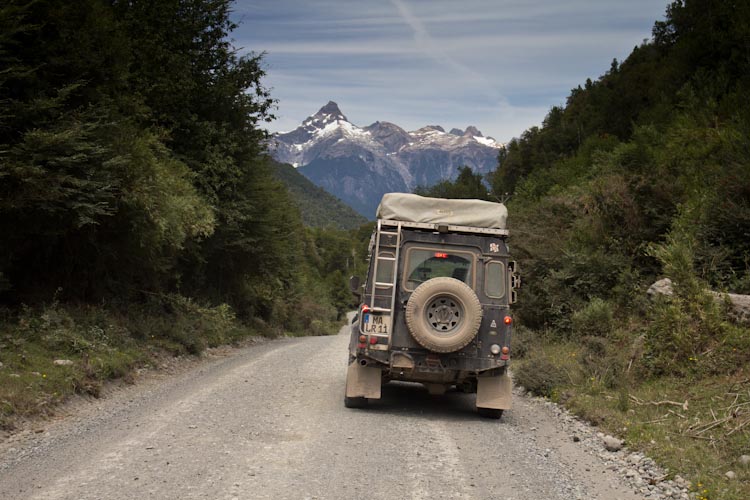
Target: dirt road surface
<point x="268" y="422"/>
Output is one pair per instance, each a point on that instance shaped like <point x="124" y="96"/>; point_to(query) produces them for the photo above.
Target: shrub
<point x="596" y="319"/>
<point x="687" y="328"/>
<point x="540" y="375"/>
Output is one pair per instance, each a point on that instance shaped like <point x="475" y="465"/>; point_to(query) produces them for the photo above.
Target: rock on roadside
<point x="740" y="304"/>
<point x="612" y="443"/>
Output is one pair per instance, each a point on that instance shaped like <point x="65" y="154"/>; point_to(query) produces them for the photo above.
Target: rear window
<point x="423" y="264"/>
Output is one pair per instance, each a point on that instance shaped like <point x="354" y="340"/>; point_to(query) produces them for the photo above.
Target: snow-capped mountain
<point x="359" y="164"/>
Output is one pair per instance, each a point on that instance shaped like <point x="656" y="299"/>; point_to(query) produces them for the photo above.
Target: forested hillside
<point x="317" y="207"/>
<point x="137" y="208"/>
<point x="640" y="175"/>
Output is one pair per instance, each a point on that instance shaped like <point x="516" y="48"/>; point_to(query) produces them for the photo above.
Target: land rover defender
<point x="435" y="304"/>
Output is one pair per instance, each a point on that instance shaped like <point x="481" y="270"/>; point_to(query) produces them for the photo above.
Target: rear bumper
<point x="428" y="362"/>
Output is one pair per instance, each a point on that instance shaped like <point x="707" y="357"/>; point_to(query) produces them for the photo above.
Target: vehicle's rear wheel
<point x="443" y="314"/>
<point x="355" y="402"/>
<point x="490" y="413"/>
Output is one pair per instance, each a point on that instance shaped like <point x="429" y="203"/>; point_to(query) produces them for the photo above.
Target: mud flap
<point x="363" y="381"/>
<point x="494" y="391"/>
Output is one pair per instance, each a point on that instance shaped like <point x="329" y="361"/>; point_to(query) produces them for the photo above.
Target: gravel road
<point x="268" y="421"/>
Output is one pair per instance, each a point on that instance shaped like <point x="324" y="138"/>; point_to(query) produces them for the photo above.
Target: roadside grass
<point x="695" y="426"/>
<point x="93" y="345"/>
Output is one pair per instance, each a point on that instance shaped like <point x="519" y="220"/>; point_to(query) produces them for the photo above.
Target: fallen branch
<point x="637" y="401"/>
<point x="713" y="424"/>
<point x="735" y="405"/>
<point x="743" y="424"/>
<point x="703" y="438"/>
<point x="657" y="420"/>
<point x="675" y="413"/>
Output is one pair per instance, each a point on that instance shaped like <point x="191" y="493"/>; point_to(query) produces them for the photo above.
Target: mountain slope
<point x="359" y="164"/>
<point x="318" y="207"/>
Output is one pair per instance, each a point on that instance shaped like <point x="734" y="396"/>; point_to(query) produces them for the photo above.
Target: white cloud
<point x="496" y="64"/>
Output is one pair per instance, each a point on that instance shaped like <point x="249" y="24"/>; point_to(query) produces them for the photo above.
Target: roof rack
<point x="431" y="226"/>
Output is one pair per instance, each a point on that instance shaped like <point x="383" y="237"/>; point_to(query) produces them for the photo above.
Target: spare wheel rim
<point x="444" y="314"/>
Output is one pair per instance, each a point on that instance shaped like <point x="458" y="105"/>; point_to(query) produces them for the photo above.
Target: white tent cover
<point x="414" y="208"/>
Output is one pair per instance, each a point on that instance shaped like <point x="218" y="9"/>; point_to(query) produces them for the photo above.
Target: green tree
<point x="467" y="185"/>
<point x="90" y="199"/>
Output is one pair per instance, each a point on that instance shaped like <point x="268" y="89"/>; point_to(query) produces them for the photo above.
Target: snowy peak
<point x="328" y="113"/>
<point x="360" y="164"/>
<point x="389" y="135"/>
<point x="429" y="129"/>
<point x="472" y="131"/>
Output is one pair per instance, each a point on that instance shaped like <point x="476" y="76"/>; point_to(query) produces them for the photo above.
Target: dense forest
<point x="132" y="164"/>
<point x="318" y="207"/>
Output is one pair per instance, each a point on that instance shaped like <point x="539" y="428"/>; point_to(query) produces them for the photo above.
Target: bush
<point x="688" y="329"/>
<point x="540" y="375"/>
<point x="596" y="319"/>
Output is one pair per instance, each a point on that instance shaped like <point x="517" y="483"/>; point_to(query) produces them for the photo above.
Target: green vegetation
<point x="467" y="185"/>
<point x="318" y="207"/>
<point x="136" y="199"/>
<point x="92" y="344"/>
<point x="644" y="174"/>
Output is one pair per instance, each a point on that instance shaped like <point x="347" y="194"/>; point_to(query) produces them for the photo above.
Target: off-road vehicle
<point x="435" y="305"/>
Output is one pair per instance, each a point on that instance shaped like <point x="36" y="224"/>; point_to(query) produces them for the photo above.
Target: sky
<point x="499" y="65"/>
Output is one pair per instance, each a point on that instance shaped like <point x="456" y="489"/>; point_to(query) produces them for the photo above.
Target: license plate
<point x="376" y="324"/>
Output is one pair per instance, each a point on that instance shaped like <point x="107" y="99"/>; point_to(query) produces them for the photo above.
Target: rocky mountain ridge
<point x="359" y="164"/>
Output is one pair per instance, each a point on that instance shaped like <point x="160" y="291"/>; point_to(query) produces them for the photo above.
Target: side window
<point x="494" y="280"/>
<point x="385" y="268"/>
<point x="423" y="264"/>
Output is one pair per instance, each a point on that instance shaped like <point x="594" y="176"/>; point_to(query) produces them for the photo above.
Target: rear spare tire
<point x="443" y="314"/>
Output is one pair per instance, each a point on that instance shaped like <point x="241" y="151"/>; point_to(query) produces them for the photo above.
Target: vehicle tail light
<point x="505" y="350"/>
<point x="361" y="345"/>
<point x="373" y="340"/>
<point x="365" y="308"/>
<point x="508" y="320"/>
<point x="362" y="339"/>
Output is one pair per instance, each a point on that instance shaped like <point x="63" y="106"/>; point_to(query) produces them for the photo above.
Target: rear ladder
<point x="382" y="294"/>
